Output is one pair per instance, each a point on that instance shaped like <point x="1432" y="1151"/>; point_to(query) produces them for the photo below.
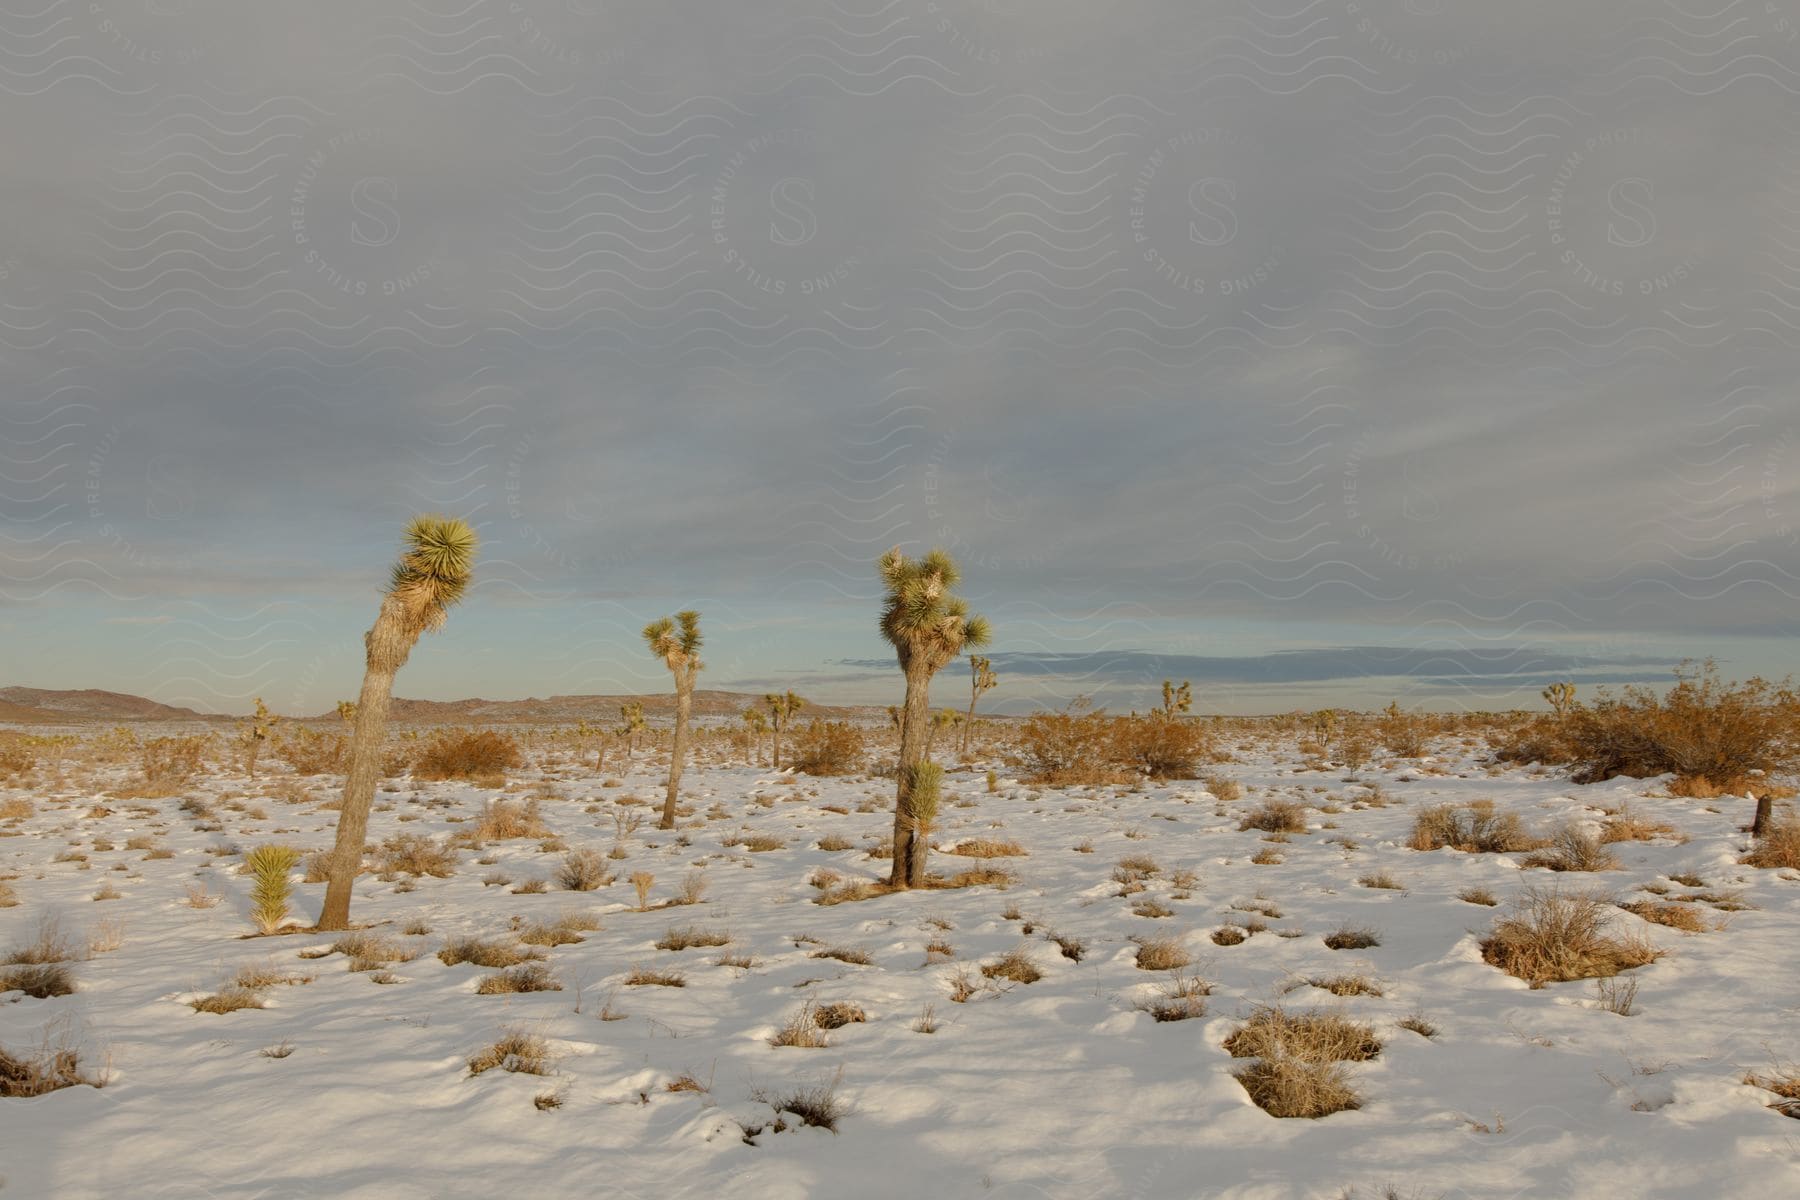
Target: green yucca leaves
<point x="270" y="887"/>
<point x="921" y="616"/>
<point x="435" y="568"/>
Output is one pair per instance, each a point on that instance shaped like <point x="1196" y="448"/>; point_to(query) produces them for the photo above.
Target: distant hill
<point x="599" y="709"/>
<point x="37" y="705"/>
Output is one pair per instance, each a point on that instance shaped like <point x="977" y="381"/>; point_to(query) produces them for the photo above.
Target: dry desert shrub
<point x="16" y="808"/>
<point x="1473" y="828"/>
<point x="1229" y="935"/>
<point x="1477" y="895"/>
<point x="502" y="820"/>
<point x="1779" y="847"/>
<point x="50" y="944"/>
<point x="169" y="762"/>
<point x="828" y="748"/>
<point x="1343" y="985"/>
<point x="1223" y="787"/>
<point x="835" y="841"/>
<point x="466" y="754"/>
<point x="1573" y="848"/>
<point x="855" y="955"/>
<point x="838" y="1014"/>
<point x="1624" y="825"/>
<point x="1162" y="745"/>
<point x="518" y="1051"/>
<point x="1782" y="1079"/>
<point x="1073" y="747"/>
<point x="802" y="1030"/>
<point x="583" y="871"/>
<point x="371" y="952"/>
<point x="1553" y="937"/>
<point x="415" y="854"/>
<point x="1276" y="815"/>
<point x="311" y="752"/>
<point x="8" y="897"/>
<point x="529" y="977"/>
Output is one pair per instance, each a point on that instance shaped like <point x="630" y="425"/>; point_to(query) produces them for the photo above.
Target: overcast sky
<point x="1320" y="351"/>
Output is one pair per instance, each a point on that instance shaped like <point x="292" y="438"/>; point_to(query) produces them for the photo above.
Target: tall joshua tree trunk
<point x="910" y="848"/>
<point x="430" y="576"/>
<point x="680" y="652"/>
<point x="684" y="705"/>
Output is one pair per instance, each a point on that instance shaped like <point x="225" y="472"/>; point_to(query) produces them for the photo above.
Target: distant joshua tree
<point x="631" y="723"/>
<point x="757" y="725"/>
<point x="346" y="709"/>
<point x="782" y="707"/>
<point x="981" y="679"/>
<point x="680" y="652"/>
<point x="256" y="731"/>
<point x="431" y="575"/>
<point x="943" y="718"/>
<point x="928" y="627"/>
<point x="1561" y="698"/>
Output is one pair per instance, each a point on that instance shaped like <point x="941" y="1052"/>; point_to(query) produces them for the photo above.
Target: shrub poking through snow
<point x="1573" y="848"/>
<point x="583" y="871"/>
<point x="1278" y="815"/>
<point x="271" y="887"/>
<point x="1352" y="937"/>
<point x="525" y="1053"/>
<point x="1182" y="998"/>
<point x="1553" y="937"/>
<point x="1300" y="1072"/>
<point x="1779" y="847"/>
<point x="528" y="977"/>
<point x="484" y="953"/>
<point x="40" y="981"/>
<point x="1161" y="954"/>
<point x="466" y="754"/>
<point x="1473" y="828"/>
<point x="1014" y="965"/>
<point x="48" y="1069"/>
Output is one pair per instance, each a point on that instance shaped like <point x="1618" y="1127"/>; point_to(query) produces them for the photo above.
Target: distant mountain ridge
<point x="37" y="706"/>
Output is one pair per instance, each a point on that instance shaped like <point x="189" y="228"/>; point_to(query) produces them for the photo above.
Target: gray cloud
<point x="1456" y="325"/>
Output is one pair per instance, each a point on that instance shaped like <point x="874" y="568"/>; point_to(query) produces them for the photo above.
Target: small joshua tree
<point x="256" y="731"/>
<point x="432" y="574"/>
<point x="1561" y="698"/>
<point x="928" y="627"/>
<point x="943" y="718"/>
<point x="981" y="679"/>
<point x="782" y="707"/>
<point x="757" y="724"/>
<point x="680" y="652"/>
<point x="346" y="710"/>
<point x="270" y="868"/>
<point x="631" y="723"/>
<point x="1176" y="699"/>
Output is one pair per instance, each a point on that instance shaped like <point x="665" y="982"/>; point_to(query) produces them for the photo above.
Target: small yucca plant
<point x="270" y="869"/>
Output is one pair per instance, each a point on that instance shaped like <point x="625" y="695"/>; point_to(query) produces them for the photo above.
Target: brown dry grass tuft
<point x="1553" y="937"/>
<point x="683" y="939"/>
<point x="1352" y="937"/>
<point x="231" y="999"/>
<point x="1182" y="998"/>
<point x="1289" y="1087"/>
<point x="415" y="854"/>
<point x="40" y="981"/>
<point x="854" y="955"/>
<point x="642" y="977"/>
<point x="1311" y="1036"/>
<point x="501" y="820"/>
<point x="1162" y="954"/>
<point x="482" y="953"/>
<point x="1015" y="965"/>
<point x="583" y="871"/>
<point x="47" y="1070"/>
<point x="1675" y="916"/>
<point x="530" y="977"/>
<point x="525" y="1053"/>
<point x="802" y="1030"/>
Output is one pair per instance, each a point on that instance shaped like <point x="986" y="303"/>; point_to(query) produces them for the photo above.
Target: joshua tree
<point x="346" y="709"/>
<point x="631" y="723"/>
<point x="431" y="575"/>
<point x="928" y="627"/>
<point x="1561" y="698"/>
<point x="782" y="707"/>
<point x="680" y="652"/>
<point x="256" y="731"/>
<point x="981" y="679"/>
<point x="1176" y="699"/>
<point x="943" y="718"/>
<point x="757" y="724"/>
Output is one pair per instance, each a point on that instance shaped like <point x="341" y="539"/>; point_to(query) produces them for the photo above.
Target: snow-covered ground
<point x="1059" y="1088"/>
